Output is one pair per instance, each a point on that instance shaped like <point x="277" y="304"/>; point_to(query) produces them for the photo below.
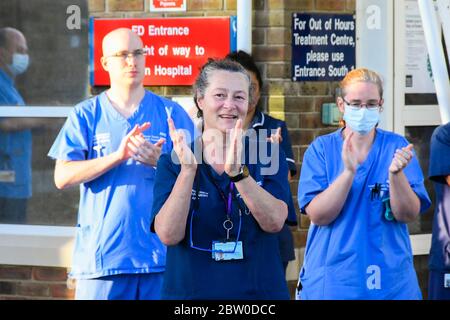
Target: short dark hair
<point x="247" y="61"/>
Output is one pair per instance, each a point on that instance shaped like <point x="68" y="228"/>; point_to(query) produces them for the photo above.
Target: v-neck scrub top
<point x="360" y="255"/>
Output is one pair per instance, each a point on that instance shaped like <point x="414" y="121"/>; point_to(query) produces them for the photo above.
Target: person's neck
<point x="125" y="99"/>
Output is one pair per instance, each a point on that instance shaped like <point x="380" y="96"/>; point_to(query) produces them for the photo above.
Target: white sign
<point x="418" y="74"/>
<point x="167" y="5"/>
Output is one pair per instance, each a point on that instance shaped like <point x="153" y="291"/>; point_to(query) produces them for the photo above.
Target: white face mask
<point x="362" y="120"/>
<point x="19" y="64"/>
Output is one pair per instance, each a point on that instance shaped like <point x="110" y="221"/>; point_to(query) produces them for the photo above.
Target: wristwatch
<point x="241" y="175"/>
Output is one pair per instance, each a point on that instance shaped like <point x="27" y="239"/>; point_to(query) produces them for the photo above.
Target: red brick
<point x="15" y="272"/>
<point x="301" y="137"/>
<point x="293" y="184"/>
<point x="193" y="5"/>
<point x="61" y="291"/>
<point x="351" y="5"/>
<point x="292" y="120"/>
<point x="49" y="274"/>
<point x="126" y="5"/>
<point x="33" y="289"/>
<point x="270" y="53"/>
<point x="300" y="238"/>
<point x="319" y="101"/>
<point x="258" y="36"/>
<point x="156" y="90"/>
<point x="315" y="88"/>
<point x="178" y="91"/>
<point x="310" y="120"/>
<point x="257" y="4"/>
<point x="214" y="13"/>
<point x="278" y="70"/>
<point x="301" y="154"/>
<point x="271" y="18"/>
<point x="304" y="222"/>
<point x="278" y="36"/>
<point x="330" y="5"/>
<point x="298" y="104"/>
<point x="298" y="5"/>
<point x="96" y="6"/>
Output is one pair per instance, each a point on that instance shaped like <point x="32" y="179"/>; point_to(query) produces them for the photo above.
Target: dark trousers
<point x="436" y="289"/>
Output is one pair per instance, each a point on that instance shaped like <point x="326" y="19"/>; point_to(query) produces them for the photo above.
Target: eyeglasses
<point x="371" y="105"/>
<point x="125" y="54"/>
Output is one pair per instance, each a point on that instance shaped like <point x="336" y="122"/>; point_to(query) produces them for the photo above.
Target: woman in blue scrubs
<point x="360" y="186"/>
<point x="216" y="206"/>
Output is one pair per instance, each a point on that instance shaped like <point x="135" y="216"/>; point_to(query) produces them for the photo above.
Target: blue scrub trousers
<point x="144" y="286"/>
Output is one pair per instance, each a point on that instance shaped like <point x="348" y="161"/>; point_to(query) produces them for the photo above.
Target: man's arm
<point x="70" y="173"/>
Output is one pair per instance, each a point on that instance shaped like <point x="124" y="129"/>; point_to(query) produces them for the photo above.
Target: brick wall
<point x="298" y="103"/>
<point x="28" y="282"/>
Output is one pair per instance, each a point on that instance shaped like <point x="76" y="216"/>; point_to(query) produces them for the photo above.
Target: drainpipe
<point x="244" y="25"/>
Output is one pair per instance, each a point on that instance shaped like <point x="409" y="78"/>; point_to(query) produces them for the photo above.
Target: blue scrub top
<point x="360" y="255"/>
<point x="439" y="168"/>
<point x="15" y="147"/>
<point x="193" y="274"/>
<point x="113" y="231"/>
<point x="265" y="121"/>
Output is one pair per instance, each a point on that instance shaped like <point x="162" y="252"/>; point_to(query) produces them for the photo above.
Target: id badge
<point x="447" y="280"/>
<point x="228" y="247"/>
<point x="7" y="176"/>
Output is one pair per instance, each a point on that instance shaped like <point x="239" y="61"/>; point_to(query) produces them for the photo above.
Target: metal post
<point x="244" y="25"/>
<point x="431" y="29"/>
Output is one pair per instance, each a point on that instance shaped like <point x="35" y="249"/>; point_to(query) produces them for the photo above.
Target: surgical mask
<point x="19" y="64"/>
<point x="361" y="120"/>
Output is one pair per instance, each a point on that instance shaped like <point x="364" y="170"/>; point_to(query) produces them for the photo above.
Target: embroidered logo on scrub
<point x="201" y="194"/>
<point x="100" y="142"/>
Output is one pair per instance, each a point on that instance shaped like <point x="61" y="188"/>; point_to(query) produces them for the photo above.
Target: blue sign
<point x="323" y="46"/>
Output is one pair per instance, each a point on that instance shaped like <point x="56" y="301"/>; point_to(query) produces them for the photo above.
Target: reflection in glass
<point x="58" y="56"/>
<point x="420" y="136"/>
<point x="47" y="205"/>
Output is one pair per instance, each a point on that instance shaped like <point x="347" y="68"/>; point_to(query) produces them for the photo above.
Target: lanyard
<point x="227" y="224"/>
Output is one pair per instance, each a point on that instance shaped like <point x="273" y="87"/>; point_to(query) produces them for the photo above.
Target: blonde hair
<point x="361" y="75"/>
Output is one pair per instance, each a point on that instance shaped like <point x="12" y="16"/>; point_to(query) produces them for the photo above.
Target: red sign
<point x="166" y="5"/>
<point x="175" y="47"/>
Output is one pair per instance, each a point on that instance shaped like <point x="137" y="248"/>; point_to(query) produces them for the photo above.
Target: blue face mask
<point x="19" y="64"/>
<point x="362" y="120"/>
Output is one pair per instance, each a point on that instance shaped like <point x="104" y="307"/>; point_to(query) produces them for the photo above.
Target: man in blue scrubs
<point x="109" y="145"/>
<point x="439" y="172"/>
<point x="15" y="134"/>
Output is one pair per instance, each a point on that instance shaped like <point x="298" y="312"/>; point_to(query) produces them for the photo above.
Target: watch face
<point x="245" y="171"/>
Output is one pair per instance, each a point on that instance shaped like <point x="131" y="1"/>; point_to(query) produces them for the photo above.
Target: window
<point x="56" y="79"/>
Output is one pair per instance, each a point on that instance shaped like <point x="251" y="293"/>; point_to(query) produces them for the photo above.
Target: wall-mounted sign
<point x="175" y="48"/>
<point x="323" y="46"/>
<point x="167" y="5"/>
<point x="419" y="77"/>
